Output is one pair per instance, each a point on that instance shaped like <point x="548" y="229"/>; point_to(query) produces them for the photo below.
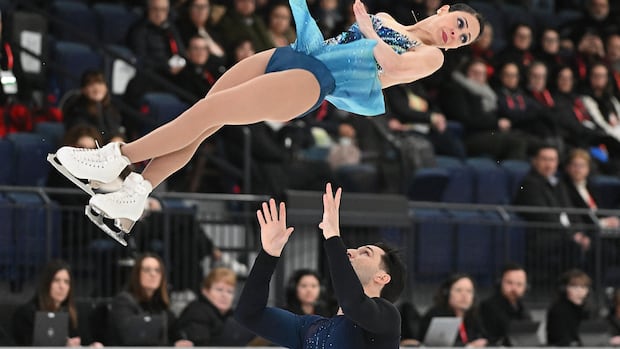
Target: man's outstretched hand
<point x="273" y="231"/>
<point x="330" y="225"/>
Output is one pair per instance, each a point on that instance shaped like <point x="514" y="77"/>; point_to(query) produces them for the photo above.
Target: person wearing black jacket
<point x="208" y="321"/>
<point x="455" y="298"/>
<point x="147" y="294"/>
<point x="366" y="281"/>
<point x="569" y="309"/>
<point x="505" y="305"/>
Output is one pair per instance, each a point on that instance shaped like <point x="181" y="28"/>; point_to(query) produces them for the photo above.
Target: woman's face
<point x="599" y="77"/>
<point x="95" y="91"/>
<point x="510" y="76"/>
<point x="578" y="169"/>
<point x="565" y="80"/>
<point x="150" y="274"/>
<point x="477" y="72"/>
<point x="486" y="39"/>
<point x="199" y="12"/>
<point x="244" y="50"/>
<point x="537" y="77"/>
<point x="461" y="295"/>
<point x="551" y="42"/>
<point x="522" y="38"/>
<point x="453" y="29"/>
<point x="60" y="286"/>
<point x="280" y="19"/>
<point x="221" y="295"/>
<point x="308" y="289"/>
<point x="577" y="293"/>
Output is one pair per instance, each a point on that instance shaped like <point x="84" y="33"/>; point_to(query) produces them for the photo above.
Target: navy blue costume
<point x="366" y="323"/>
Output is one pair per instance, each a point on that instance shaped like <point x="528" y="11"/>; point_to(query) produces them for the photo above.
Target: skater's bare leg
<point x="274" y="96"/>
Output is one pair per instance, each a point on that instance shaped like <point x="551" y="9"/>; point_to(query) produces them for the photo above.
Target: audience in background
<point x="505" y="305"/>
<point x="280" y="25"/>
<point x="201" y="71"/>
<point x="303" y="294"/>
<point x="242" y="22"/>
<point x="614" y="318"/>
<point x="456" y="297"/>
<point x="569" y="309"/>
<point x="146" y="294"/>
<point x="209" y="321"/>
<point x="194" y="20"/>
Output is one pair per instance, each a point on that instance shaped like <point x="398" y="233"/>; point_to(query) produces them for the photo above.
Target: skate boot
<point x="90" y="168"/>
<point x="116" y="213"/>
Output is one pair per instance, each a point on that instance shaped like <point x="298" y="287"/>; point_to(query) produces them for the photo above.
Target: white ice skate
<point x="116" y="213"/>
<point x="90" y="169"/>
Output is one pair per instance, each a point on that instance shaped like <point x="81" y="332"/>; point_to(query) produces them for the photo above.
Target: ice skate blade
<point x="51" y="158"/>
<point x="97" y="219"/>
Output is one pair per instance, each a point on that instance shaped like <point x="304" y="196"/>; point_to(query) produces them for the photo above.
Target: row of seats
<point x="484" y="181"/>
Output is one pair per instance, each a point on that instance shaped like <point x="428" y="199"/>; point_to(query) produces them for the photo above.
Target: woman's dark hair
<point x="470" y="10"/>
<point x="43" y="298"/>
<point x="76" y="132"/>
<point x="292" y="302"/>
<point x="92" y="77"/>
<point x="135" y="288"/>
<point x="392" y="263"/>
<point x="442" y="297"/>
<point x="464" y="67"/>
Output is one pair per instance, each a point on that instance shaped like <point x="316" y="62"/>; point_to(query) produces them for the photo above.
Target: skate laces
<point x="98" y="155"/>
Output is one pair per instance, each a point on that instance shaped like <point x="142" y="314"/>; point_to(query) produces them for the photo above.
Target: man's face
<point x="510" y="76"/>
<point x="551" y="41"/>
<point x="613" y="48"/>
<point x="245" y="8"/>
<point x="599" y="9"/>
<point x="537" y="77"/>
<point x="523" y="38"/>
<point x="546" y="162"/>
<point x="477" y="72"/>
<point x="514" y="283"/>
<point x="158" y="11"/>
<point x="197" y="51"/>
<point x="366" y="262"/>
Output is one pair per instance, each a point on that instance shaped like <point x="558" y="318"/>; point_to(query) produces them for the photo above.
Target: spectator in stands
<point x="456" y="297"/>
<point x="612" y="49"/>
<point x="568" y="310"/>
<point x="600" y="102"/>
<point x="242" y="22"/>
<point x="579" y="192"/>
<point x="242" y="49"/>
<point x="93" y="107"/>
<point x="54" y="294"/>
<point x="598" y="19"/>
<point x="519" y="49"/>
<point x="481" y="48"/>
<point x="523" y="112"/>
<point x="505" y="305"/>
<point x="549" y="50"/>
<point x="410" y="110"/>
<point x="303" y="294"/>
<point x="200" y="72"/>
<point x="590" y="50"/>
<point x="614" y="318"/>
<point x="194" y="20"/>
<point x="146" y="294"/>
<point x="473" y="103"/>
<point x="409" y="325"/>
<point x="159" y="48"/>
<point x="209" y="321"/>
<point x="279" y="28"/>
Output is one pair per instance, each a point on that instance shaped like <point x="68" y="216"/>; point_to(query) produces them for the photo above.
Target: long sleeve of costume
<point x="375" y="315"/>
<point x="276" y="325"/>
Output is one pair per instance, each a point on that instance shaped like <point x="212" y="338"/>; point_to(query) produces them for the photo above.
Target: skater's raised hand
<point x="331" y="207"/>
<point x="363" y="20"/>
<point x="273" y="231"/>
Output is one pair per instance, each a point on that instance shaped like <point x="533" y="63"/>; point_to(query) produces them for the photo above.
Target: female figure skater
<point x="279" y="84"/>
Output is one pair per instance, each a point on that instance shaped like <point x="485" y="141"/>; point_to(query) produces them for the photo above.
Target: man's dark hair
<point x="470" y="10"/>
<point x="511" y="266"/>
<point x="392" y="263"/>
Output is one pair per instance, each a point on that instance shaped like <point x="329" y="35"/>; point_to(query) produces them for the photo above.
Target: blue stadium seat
<point x="434" y="247"/>
<point x="74" y="58"/>
<point x="78" y="20"/>
<point x="428" y="184"/>
<point x="7" y="239"/>
<point x="51" y="132"/>
<point x="31" y="167"/>
<point x="358" y="178"/>
<point x="460" y="188"/>
<point x="477" y="244"/>
<point x="516" y="170"/>
<point x="8" y="163"/>
<point x="162" y="107"/>
<point x="607" y="190"/>
<point x="514" y="14"/>
<point x="490" y="181"/>
<point x="114" y="22"/>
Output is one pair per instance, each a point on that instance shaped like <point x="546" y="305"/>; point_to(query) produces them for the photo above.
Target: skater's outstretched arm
<point x="277" y="325"/>
<point x="376" y="315"/>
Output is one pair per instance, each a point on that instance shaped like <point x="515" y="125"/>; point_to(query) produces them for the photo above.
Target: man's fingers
<point x="283" y="213"/>
<point x="337" y="199"/>
<point x="274" y="209"/>
<point x="261" y="219"/>
<point x="266" y="212"/>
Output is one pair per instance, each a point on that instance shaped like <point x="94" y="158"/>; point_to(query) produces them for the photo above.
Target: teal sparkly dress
<point x="347" y="59"/>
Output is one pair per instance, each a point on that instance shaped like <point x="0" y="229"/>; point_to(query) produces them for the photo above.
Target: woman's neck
<point x="421" y="33"/>
<point x="307" y="308"/>
<point x="459" y="313"/>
